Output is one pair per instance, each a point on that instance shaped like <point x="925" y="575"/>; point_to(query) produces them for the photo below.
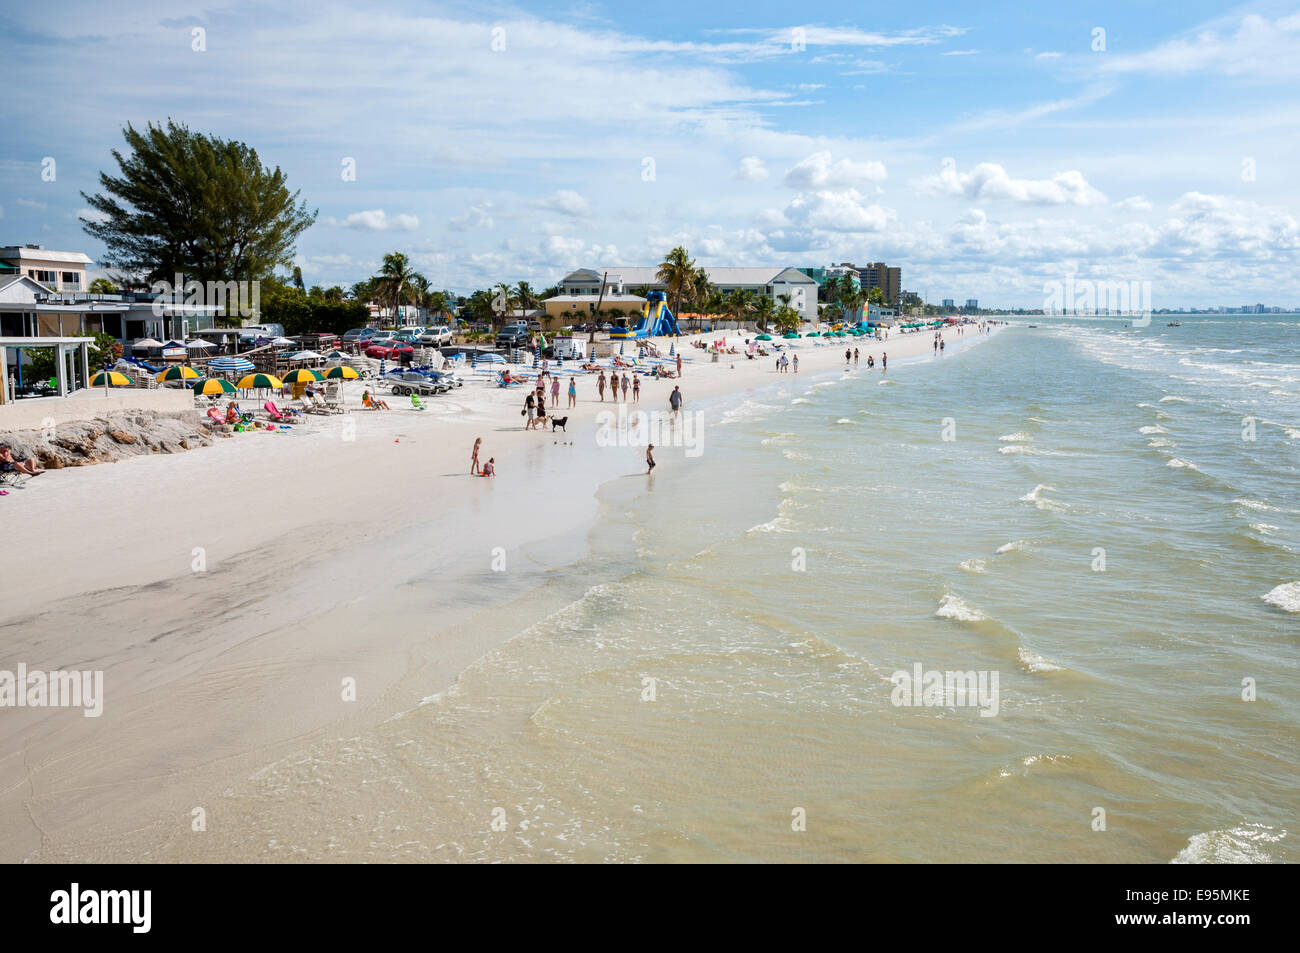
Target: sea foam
<point x="1285" y="596"/>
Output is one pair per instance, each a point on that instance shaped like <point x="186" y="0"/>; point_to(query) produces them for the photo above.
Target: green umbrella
<point x="763" y="337"/>
<point x="110" y="379"/>
<point x="259" y="381"/>
<point x="342" y="372"/>
<point x="303" y="375"/>
<point x="214" y="385"/>
<point x="179" y="372"/>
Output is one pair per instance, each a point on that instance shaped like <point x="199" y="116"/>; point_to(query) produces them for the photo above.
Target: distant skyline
<point x="984" y="150"/>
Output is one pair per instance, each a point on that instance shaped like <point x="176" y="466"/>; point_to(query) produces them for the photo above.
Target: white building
<point x="773" y="282"/>
<point x="63" y="271"/>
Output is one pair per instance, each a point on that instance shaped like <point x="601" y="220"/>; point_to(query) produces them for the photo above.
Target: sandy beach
<point x="229" y="594"/>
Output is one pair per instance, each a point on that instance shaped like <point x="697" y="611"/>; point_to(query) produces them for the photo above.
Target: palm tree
<point x="763" y="308"/>
<point x="739" y="303"/>
<point x="526" y="295"/>
<point x="420" y="293"/>
<point x="503" y="300"/>
<point x="395" y="276"/>
<point x="438" y="303"/>
<point x="701" y="288"/>
<point x="677" y="272"/>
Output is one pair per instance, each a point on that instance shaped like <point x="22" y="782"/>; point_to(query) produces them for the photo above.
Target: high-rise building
<point x="949" y="303"/>
<point x="877" y="274"/>
<point x="972" y="304"/>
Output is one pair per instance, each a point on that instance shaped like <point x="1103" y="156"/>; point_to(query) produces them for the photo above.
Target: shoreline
<point x="187" y="711"/>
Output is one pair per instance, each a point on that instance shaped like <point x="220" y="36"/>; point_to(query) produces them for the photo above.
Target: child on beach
<point x="796" y="363"/>
<point x="573" y="392"/>
<point x="555" y="392"/>
<point x="649" y="458"/>
<point x="489" y="468"/>
<point x="473" y="461"/>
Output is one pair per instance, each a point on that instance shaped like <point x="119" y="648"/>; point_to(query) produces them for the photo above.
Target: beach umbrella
<point x="303" y="375"/>
<point x="259" y="381"/>
<point x="304" y="356"/>
<point x="110" y="379"/>
<point x="342" y="372"/>
<point x="621" y="345"/>
<point x="672" y="349"/>
<point x="789" y="335"/>
<point x="179" y="373"/>
<point x="230" y="365"/>
<point x="282" y="342"/>
<point x="213" y="385"/>
<point x="198" y="345"/>
<point x="536" y="358"/>
<point x="763" y="337"/>
<point x="147" y="343"/>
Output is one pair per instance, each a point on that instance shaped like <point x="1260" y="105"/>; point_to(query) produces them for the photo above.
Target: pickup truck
<point x="515" y="336"/>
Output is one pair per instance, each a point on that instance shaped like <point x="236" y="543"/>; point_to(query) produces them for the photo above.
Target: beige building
<point x="61" y="271"/>
<point x="877" y="274"/>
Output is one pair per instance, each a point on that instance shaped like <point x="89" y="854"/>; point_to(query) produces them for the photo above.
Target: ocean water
<point x="1106" y="518"/>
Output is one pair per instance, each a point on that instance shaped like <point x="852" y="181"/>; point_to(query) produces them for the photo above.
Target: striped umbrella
<point x="259" y="381"/>
<point x="213" y="385"/>
<point x="230" y="365"/>
<point x="110" y="379"/>
<point x="621" y="345"/>
<point x="303" y="375"/>
<point x="342" y="372"/>
<point x="672" y="349"/>
<point x="537" y="359"/>
<point x="179" y="373"/>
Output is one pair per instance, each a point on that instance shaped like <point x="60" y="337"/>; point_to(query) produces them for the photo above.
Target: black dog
<point x="559" y="422"/>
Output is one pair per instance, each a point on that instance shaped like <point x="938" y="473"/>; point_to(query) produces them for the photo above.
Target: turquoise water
<point x="1094" y="530"/>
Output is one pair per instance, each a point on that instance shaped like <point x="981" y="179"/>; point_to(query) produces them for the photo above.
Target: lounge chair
<point x="415" y="402"/>
<point x="276" y="414"/>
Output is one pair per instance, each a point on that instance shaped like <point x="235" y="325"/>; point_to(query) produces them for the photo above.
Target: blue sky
<point x="986" y="150"/>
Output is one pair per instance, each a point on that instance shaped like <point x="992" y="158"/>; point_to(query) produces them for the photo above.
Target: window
<point x="45" y="277"/>
<point x="72" y="278"/>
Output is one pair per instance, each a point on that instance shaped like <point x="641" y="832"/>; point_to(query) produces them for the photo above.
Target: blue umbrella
<point x="536" y="358"/>
<point x="621" y="345"/>
<point x="672" y="349"/>
<point x="231" y="365"/>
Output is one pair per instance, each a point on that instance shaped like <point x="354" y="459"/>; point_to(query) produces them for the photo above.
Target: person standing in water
<point x="855" y="357"/>
<point x="848" y="357"/>
<point x="884" y="361"/>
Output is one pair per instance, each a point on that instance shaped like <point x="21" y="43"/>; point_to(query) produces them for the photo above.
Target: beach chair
<point x="334" y="397"/>
<point x="415" y="402"/>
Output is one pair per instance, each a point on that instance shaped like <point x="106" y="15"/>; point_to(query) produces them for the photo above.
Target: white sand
<point x="313" y="574"/>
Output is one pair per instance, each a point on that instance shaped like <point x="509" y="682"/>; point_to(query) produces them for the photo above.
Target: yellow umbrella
<point x="303" y="375"/>
<point x="179" y="373"/>
<point x="256" y="381"/>
<point x="110" y="379"/>
<point x="342" y="371"/>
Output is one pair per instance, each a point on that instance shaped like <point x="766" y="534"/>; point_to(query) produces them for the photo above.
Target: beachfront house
<point x="624" y="280"/>
<point x="63" y="271"/>
<point x="30" y="309"/>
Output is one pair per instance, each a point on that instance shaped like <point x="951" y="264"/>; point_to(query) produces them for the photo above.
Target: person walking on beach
<point x="555" y="392"/>
<point x="675" y="400"/>
<point x="855" y="357"/>
<point x="649" y="459"/>
<point x="530" y="408"/>
<point x="848" y="357"/>
<point x="871" y="362"/>
<point x="679" y="365"/>
<point x="941" y="344"/>
<point x="796" y="363"/>
<point x="473" y="460"/>
<point x="600" y="386"/>
<point x="626" y="384"/>
<point x="636" y="390"/>
<point x="573" y="392"/>
<point x="884" y="360"/>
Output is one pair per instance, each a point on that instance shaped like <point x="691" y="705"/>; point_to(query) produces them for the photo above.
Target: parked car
<point x="512" y="337"/>
<point x="405" y="383"/>
<point x="607" y="327"/>
<point x="391" y="350"/>
<point x="437" y="336"/>
<point x="534" y="325"/>
<point x="358" y="335"/>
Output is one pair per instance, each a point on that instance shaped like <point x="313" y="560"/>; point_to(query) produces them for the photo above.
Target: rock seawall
<point x="110" y="438"/>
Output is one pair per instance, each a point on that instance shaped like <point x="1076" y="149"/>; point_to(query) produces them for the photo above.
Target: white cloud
<point x="92" y="215"/>
<point x="566" y="202"/>
<point x="988" y="180"/>
<point x="842" y="211"/>
<point x="751" y="170"/>
<point x="476" y="216"/>
<point x="1134" y="203"/>
<point x="817" y="171"/>
<point x="1048" y="55"/>
<point x="32" y="203"/>
<point x="1268" y="49"/>
<point x="377" y="220"/>
<point x="961" y="53"/>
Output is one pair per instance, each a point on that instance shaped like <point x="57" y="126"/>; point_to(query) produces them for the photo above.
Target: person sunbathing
<point x="10" y="464"/>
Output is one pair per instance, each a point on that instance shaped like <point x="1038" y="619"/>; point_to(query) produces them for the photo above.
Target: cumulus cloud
<point x="566" y="202"/>
<point x="31" y="203"/>
<point x="818" y="171"/>
<point x="988" y="180"/>
<point x="377" y="220"/>
<point x="1134" y="203"/>
<point x="837" y="211"/>
<point x="476" y="216"/>
<point x="751" y="170"/>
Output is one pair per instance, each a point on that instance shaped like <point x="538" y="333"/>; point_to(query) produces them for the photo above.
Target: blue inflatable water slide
<point x="656" y="320"/>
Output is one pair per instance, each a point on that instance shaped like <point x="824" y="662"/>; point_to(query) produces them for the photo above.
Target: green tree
<point x="503" y="300"/>
<point x="102" y="286"/>
<point x="395" y="279"/>
<point x="764" y="309"/>
<point x="740" y="303"/>
<point x="677" y="272"/>
<point x="196" y="205"/>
